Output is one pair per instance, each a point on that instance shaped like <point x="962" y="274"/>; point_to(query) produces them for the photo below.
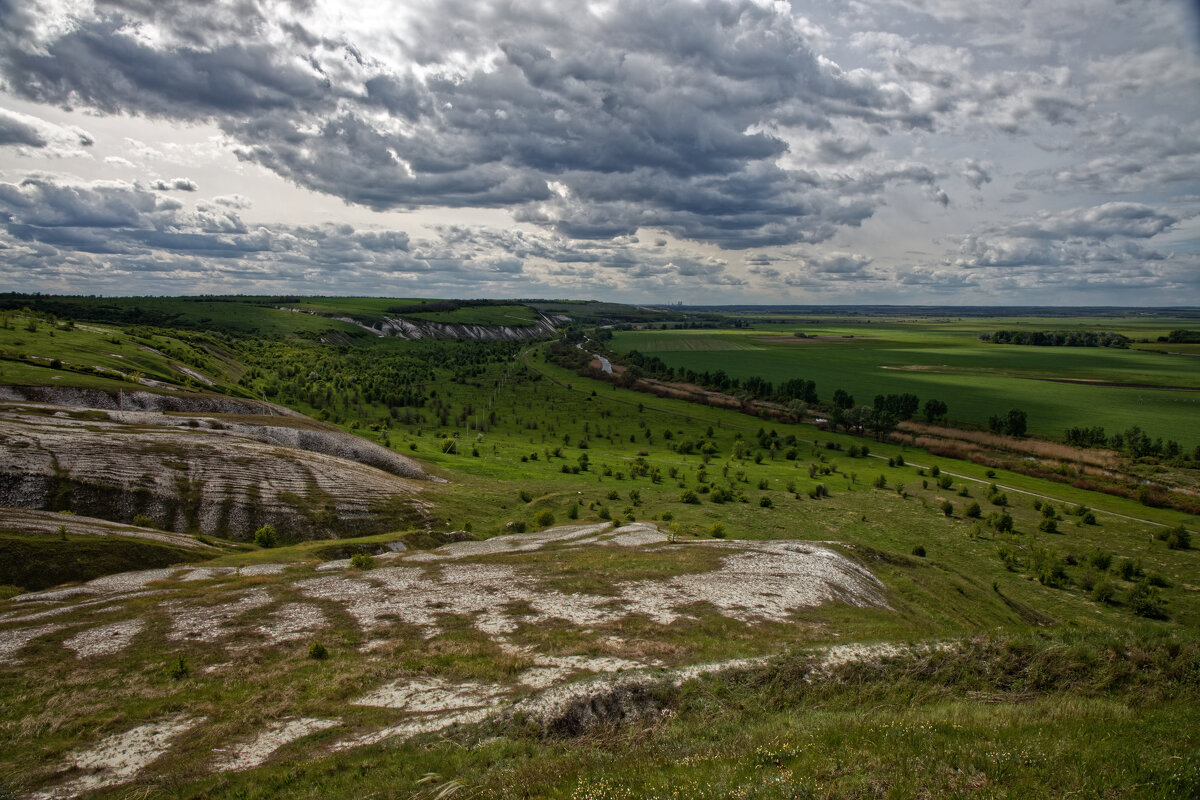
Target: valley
<point x="493" y="572"/>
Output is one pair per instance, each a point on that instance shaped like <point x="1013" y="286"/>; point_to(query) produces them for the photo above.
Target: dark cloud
<point x="17" y="131"/>
<point x="652" y="115"/>
<point x="175" y="184"/>
<point x="21" y="130"/>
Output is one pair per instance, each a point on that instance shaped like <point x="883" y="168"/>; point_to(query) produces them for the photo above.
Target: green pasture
<point x="1059" y="387"/>
<point x="1042" y="686"/>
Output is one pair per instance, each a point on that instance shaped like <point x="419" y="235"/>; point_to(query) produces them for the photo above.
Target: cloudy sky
<point x="711" y="151"/>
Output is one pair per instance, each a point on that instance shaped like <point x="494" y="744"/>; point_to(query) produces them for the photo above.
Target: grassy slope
<point x="937" y="730"/>
<point x="36" y="562"/>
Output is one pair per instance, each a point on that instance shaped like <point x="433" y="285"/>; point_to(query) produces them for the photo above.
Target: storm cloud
<point x="757" y="147"/>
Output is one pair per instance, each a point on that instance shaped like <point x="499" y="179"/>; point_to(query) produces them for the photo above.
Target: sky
<point x="1044" y="152"/>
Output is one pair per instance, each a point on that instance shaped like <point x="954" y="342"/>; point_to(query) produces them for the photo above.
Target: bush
<point x="935" y="471"/>
<point x="820" y="490"/>
<point x="1048" y="567"/>
<point x="1145" y="601"/>
<point x="516" y="526"/>
<point x="973" y="511"/>
<point x="1103" y="590"/>
<point x="688" y="496"/>
<point x="998" y="499"/>
<point x="765" y="502"/>
<point x="525" y="496"/>
<point x="573" y="511"/>
<point x="717" y="531"/>
<point x="945" y="482"/>
<point x="1048" y="526"/>
<point x="1088" y="518"/>
<point x="880" y="482"/>
<point x="143" y="521"/>
<point x="919" y="551"/>
<point x="1100" y="560"/>
<point x="947" y="508"/>
<point x="1128" y="570"/>
<point x="178" y="669"/>
<point x="1179" y="538"/>
<point x="265" y="536"/>
<point x="361" y="561"/>
<point x="544" y="518"/>
<point x="317" y="651"/>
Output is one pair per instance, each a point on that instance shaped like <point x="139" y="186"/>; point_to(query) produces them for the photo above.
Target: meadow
<point x="1059" y="387"/>
<point x="1029" y="658"/>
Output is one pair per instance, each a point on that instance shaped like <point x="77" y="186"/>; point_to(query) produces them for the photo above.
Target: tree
<point x="935" y="410"/>
<point x="842" y="399"/>
<point x="1014" y="424"/>
<point x="881" y="422"/>
<point x="265" y="536"/>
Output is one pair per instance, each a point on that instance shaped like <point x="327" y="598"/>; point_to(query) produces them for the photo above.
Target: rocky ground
<point x="471" y="588"/>
<point x="218" y="471"/>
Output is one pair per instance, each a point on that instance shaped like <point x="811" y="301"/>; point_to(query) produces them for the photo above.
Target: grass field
<point x="1030" y="683"/>
<point x="1058" y="387"/>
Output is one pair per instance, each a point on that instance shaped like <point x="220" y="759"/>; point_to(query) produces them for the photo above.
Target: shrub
<point x="998" y="499"/>
<point x="765" y="502"/>
<point x="544" y="518"/>
<point x="964" y="491"/>
<point x="573" y="511"/>
<point x="919" y="551"/>
<point x="1155" y="579"/>
<point x="1179" y="538"/>
<point x="1089" y="518"/>
<point x="947" y="508"/>
<point x="688" y="496"/>
<point x="763" y="485"/>
<point x="361" y="561"/>
<point x="973" y="511"/>
<point x="1145" y="601"/>
<point x="667" y="516"/>
<point x="820" y="490"/>
<point x="178" y="669"/>
<point x="317" y="651"/>
<point x="1048" y="567"/>
<point x="1128" y="570"/>
<point x="1048" y="526"/>
<point x="1003" y="523"/>
<point x="266" y="537"/>
<point x="880" y="482"/>
<point x="945" y="482"/>
<point x="717" y="531"/>
<point x="516" y="526"/>
<point x="143" y="521"/>
<point x="1103" y="590"/>
<point x="899" y="461"/>
<point x="525" y="496"/>
<point x="1100" y="560"/>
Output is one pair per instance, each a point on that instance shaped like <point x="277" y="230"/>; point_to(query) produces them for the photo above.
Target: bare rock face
<point x="195" y="470"/>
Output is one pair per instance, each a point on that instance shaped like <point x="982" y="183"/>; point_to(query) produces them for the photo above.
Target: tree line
<point x="1057" y="338"/>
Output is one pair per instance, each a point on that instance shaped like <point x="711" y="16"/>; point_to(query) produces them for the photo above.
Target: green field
<point x="1158" y="391"/>
<point x="1026" y="679"/>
